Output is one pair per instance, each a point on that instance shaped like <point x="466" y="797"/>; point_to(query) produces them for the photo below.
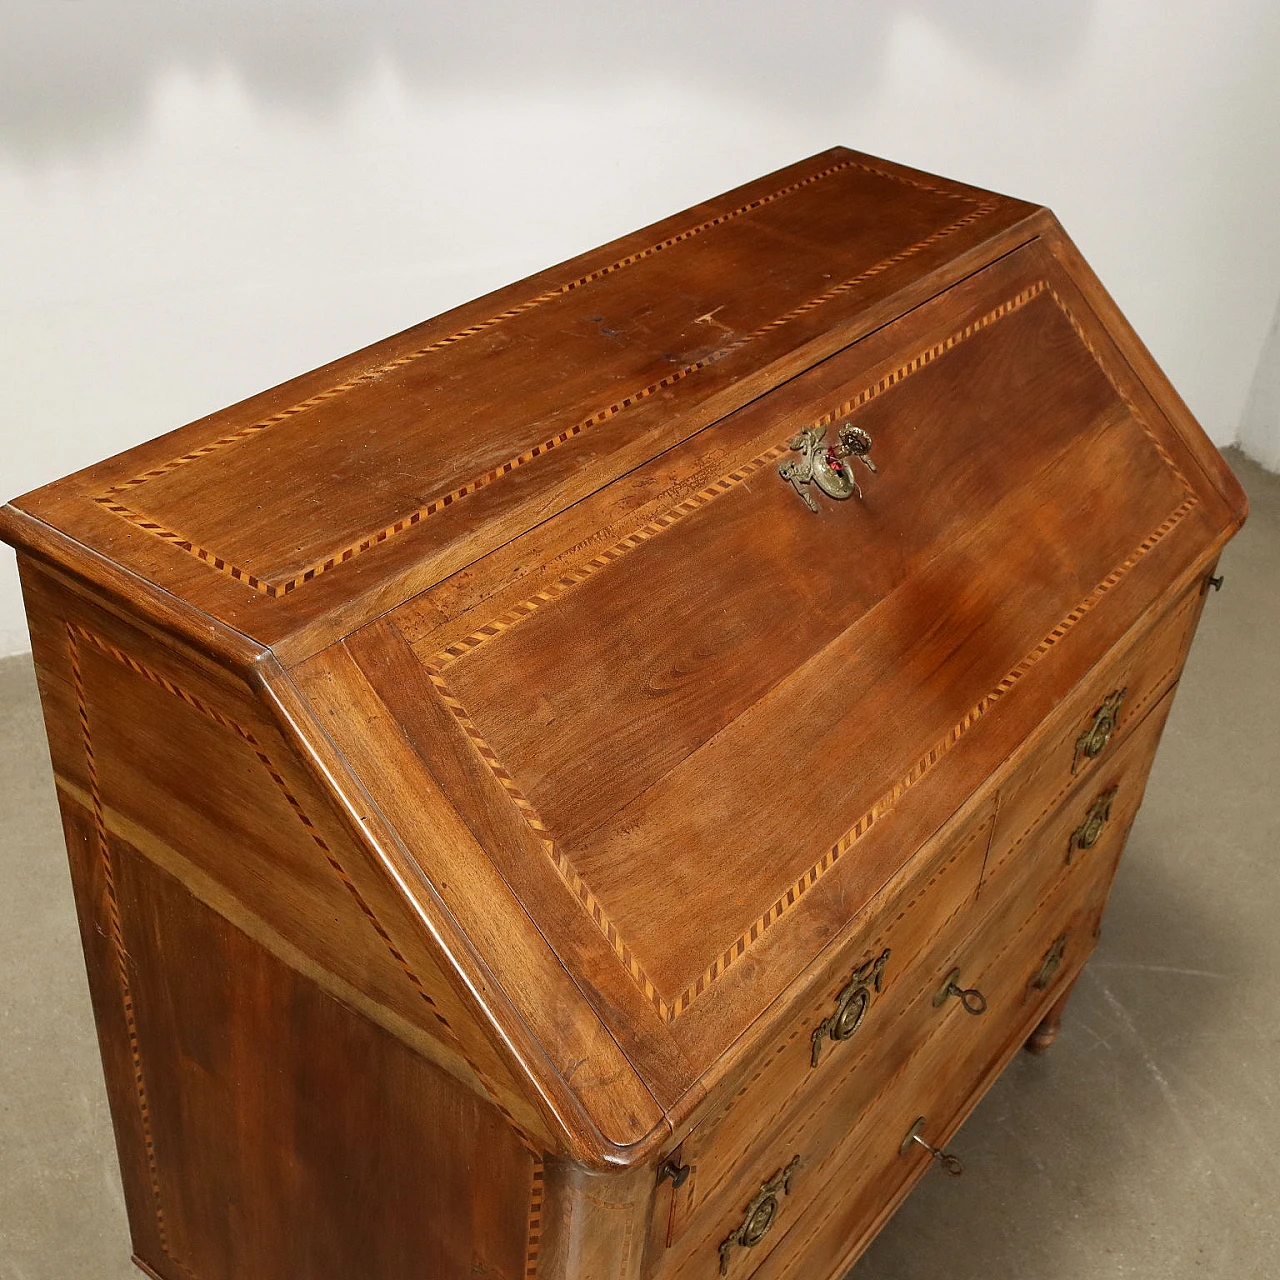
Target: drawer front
<point x="872" y="1175"/>
<point x="854" y="1022"/>
<point x="1020" y="959"/>
<point x="1029" y="964"/>
<point x="1026" y="948"/>
<point x="1088" y="824"/>
<point x="885" y="989"/>
<point x="1098" y="717"/>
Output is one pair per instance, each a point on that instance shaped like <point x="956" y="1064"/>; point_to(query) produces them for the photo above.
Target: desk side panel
<point x="297" y="1088"/>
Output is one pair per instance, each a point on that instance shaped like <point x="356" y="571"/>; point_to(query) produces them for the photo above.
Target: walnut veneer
<point x="515" y="835"/>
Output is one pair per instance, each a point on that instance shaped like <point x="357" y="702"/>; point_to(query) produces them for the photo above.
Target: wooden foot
<point x="1047" y="1032"/>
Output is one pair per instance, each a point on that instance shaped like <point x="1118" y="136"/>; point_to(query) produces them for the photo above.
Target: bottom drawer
<point x="839" y="1162"/>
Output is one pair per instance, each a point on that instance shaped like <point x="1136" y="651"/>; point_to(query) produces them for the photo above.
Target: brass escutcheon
<point x="760" y="1214"/>
<point x="826" y="465"/>
<point x="1050" y="964"/>
<point x="851" y="1005"/>
<point x="1092" y="742"/>
<point x="1085" y="836"/>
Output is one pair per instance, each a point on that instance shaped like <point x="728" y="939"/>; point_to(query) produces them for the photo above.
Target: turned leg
<point x="1047" y="1032"/>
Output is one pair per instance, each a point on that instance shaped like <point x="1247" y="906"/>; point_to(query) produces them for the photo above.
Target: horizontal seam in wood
<point x="223" y="901"/>
<point x="111" y="502"/>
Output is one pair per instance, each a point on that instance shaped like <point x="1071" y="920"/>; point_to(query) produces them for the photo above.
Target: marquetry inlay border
<point x="533" y="1227"/>
<point x="437" y="666"/>
<point x="116" y="930"/>
<point x="804" y="1026"/>
<point x="526" y="608"/>
<point x="1132" y="715"/>
<point x="78" y="635"/>
<point x="113" y="499"/>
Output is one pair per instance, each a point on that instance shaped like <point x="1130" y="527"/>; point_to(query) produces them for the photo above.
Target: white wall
<point x="1259" y="434"/>
<point x="198" y="200"/>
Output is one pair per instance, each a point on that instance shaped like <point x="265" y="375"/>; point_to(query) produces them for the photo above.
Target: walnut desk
<point x="596" y="786"/>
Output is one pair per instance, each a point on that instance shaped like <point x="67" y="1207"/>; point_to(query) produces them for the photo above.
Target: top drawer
<point x="1098" y="716"/>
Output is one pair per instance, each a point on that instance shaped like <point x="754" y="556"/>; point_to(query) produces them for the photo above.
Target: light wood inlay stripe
<point x="889" y="800"/>
<point x="576" y="884"/>
<point x="533" y="1233"/>
<point x="804" y="1026"/>
<point x="119" y="950"/>
<point x="526" y="608"/>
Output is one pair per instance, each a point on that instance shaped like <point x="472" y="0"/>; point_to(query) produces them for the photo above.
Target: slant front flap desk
<point x="713" y="723"/>
<point x="574" y="676"/>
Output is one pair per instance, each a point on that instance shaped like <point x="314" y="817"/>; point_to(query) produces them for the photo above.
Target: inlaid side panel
<point x="169" y="776"/>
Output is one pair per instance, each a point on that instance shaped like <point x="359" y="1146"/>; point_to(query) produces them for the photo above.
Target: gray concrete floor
<point x="1145" y="1146"/>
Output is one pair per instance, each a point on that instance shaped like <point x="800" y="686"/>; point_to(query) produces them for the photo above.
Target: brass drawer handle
<point x="851" y="1005"/>
<point x="951" y="1163"/>
<point x="826" y="465"/>
<point x="1050" y="965"/>
<point x="1093" y="741"/>
<point x="1085" y="836"/>
<point x="760" y="1215"/>
<point x="971" y="998"/>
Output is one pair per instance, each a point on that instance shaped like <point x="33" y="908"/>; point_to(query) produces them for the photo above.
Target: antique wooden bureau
<point x="596" y="786"/>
